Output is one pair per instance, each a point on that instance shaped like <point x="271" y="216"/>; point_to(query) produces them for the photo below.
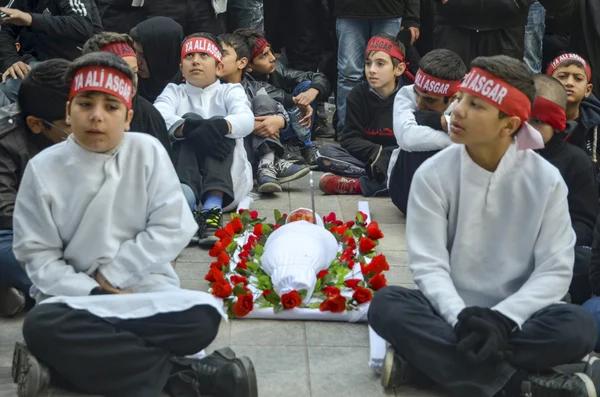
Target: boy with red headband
<point x="420" y="112"/>
<point x="575" y="75"/>
<point x="360" y="165"/>
<point x="111" y="316"/>
<point x="208" y="121"/>
<point x="548" y="117"/>
<point x="490" y="246"/>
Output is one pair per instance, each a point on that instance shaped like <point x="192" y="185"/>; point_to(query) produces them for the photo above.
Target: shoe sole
<point x="225" y="352"/>
<point x="386" y="369"/>
<point x="297" y="175"/>
<point x="270" y="187"/>
<point x="23" y="372"/>
<point x="589" y="385"/>
<point x="251" y="387"/>
<point x="13" y="303"/>
<point x="208" y="242"/>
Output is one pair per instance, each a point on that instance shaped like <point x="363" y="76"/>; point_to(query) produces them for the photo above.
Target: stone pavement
<point x="292" y="358"/>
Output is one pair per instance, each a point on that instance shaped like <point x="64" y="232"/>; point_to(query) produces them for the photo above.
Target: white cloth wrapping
<point x="294" y="255"/>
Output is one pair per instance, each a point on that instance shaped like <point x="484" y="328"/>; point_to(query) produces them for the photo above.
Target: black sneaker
<point x="592" y="370"/>
<point x="209" y="221"/>
<point x="322" y="129"/>
<point x="12" y="302"/>
<point x="291" y="152"/>
<point x="31" y="376"/>
<point x="223" y="374"/>
<point x="267" y="179"/>
<point x="558" y="385"/>
<point x="395" y="371"/>
<point x="310" y="154"/>
<point x="286" y="171"/>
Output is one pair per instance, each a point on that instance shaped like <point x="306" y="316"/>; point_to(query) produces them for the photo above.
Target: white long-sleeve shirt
<point x="226" y="100"/>
<point x="502" y="240"/>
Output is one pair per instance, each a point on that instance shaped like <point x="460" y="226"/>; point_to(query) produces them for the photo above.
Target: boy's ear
<point x="400" y="69"/>
<point x="510" y="126"/>
<point x="181" y="67"/>
<point x="128" y="119"/>
<point x="68" y="113"/>
<point x="242" y="63"/>
<point x="588" y="90"/>
<point x="220" y="68"/>
<point x="35" y="124"/>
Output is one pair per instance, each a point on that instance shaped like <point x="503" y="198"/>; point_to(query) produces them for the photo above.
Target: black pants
<point x="194" y="16"/>
<point x="558" y="334"/>
<point x="113" y="357"/>
<point x="470" y="44"/>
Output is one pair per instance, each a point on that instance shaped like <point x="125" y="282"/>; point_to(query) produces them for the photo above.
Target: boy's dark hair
<point x="443" y="64"/>
<point x="250" y="36"/>
<point x="511" y="70"/>
<point x="205" y="35"/>
<point x="105" y="59"/>
<point x="574" y="62"/>
<point x="238" y="43"/>
<point x="551" y="89"/>
<point x="98" y="41"/>
<point x="43" y="92"/>
<point x="396" y="42"/>
<point x="135" y="36"/>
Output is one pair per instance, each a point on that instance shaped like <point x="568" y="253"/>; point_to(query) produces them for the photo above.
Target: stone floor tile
<point x="195" y="285"/>
<point x="324" y="203"/>
<point x="347" y="384"/>
<point x="194" y="254"/>
<point x="268" y="333"/>
<point x="396" y="258"/>
<point x="335" y="334"/>
<point x="337" y="360"/>
<point x="394" y="239"/>
<point x="278" y="200"/>
<point x="279" y="385"/>
<point x="223" y="338"/>
<point x="192" y="270"/>
<point x="399" y="275"/>
<point x="412" y="392"/>
<point x="383" y="210"/>
<point x="291" y="360"/>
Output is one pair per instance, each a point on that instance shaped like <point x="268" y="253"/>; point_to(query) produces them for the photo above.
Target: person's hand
<point x="107" y="287"/>
<point x="16" y="17"/>
<point x="307" y="111"/>
<point x="268" y="126"/>
<point x="414" y="32"/>
<point x="17" y="71"/>
<point x="307" y="97"/>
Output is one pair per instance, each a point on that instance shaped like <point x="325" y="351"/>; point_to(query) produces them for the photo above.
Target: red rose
<point x="379" y="264"/>
<point x="322" y="273"/>
<point x="213" y="275"/>
<point x="291" y="300"/>
<point x="244" y="255"/>
<point x="258" y="230"/>
<point x="366" y="245"/>
<point x="352" y="283"/>
<point x="253" y="214"/>
<point x="221" y="289"/>
<point x="331" y="291"/>
<point x="350" y="242"/>
<point x="243" y="305"/>
<point x="237" y="225"/>
<point x="284" y="215"/>
<point x="329" y="218"/>
<point x="373" y="231"/>
<point x="334" y="304"/>
<point x="266" y="292"/>
<point x="227" y="231"/>
<point x="216" y="249"/>
<point x="223" y="259"/>
<point x="217" y="265"/>
<point x="378" y="281"/>
<point x="276" y="227"/>
<point x="364" y="216"/>
<point x="235" y="280"/>
<point x="348" y="257"/>
<point x="366" y="269"/>
<point x="339" y="230"/>
<point x="242" y="264"/>
<point x="349" y="224"/>
<point x="252" y="240"/>
<point x="225" y="242"/>
<point x="241" y="211"/>
<point x="362" y="295"/>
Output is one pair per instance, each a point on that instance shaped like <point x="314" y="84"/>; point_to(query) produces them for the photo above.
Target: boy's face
<point x="142" y="65"/>
<point x="200" y="69"/>
<point x="231" y="65"/>
<point x="380" y="70"/>
<point x="132" y="62"/>
<point x="263" y="63"/>
<point x="575" y="81"/>
<point x="431" y="102"/>
<point x="546" y="130"/>
<point x="50" y="129"/>
<point x="98" y="120"/>
<point x="476" y="122"/>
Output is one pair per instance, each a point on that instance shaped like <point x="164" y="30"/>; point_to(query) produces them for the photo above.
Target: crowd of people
<point x="128" y="128"/>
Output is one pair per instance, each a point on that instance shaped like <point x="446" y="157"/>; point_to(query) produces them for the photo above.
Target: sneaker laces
<point x="282" y="165"/>
<point x="211" y="217"/>
<point x="344" y="184"/>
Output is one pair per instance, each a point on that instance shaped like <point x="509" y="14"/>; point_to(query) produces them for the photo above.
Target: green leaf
<point x="259" y="249"/>
<point x="239" y="289"/>
<point x="243" y="272"/>
<point x="360" y="218"/>
<point x="273" y="298"/>
<point x="266" y="281"/>
<point x="319" y="285"/>
<point x="327" y="280"/>
<point x="277" y="214"/>
<point x="231" y="247"/>
<point x="266" y="229"/>
<point x="314" y="305"/>
<point x="252" y="266"/>
<point x="277" y="308"/>
<point x="302" y="293"/>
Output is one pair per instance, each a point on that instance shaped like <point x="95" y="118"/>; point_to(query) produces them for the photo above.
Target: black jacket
<point x="17" y="147"/>
<point x="161" y="39"/>
<point x="483" y="14"/>
<point x="59" y="29"/>
<point x="579" y="175"/>
<point x="369" y="124"/>
<point x="119" y="15"/>
<point x="408" y="10"/>
<point x="585" y="130"/>
<point x="595" y="262"/>
<point x="287" y="79"/>
<point x="147" y="119"/>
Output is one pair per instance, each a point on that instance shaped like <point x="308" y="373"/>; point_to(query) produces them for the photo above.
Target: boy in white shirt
<point x="490" y="247"/>
<point x="208" y="121"/>
<point x="97" y="221"/>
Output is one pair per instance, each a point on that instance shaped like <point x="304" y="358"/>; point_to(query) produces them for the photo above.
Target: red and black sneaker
<point x="336" y="184"/>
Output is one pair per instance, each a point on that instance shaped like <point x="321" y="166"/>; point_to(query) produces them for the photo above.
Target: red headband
<point x="434" y="86"/>
<point x="384" y="45"/>
<point x="569" y="57"/>
<point x="121" y="49"/>
<point x="103" y="79"/>
<point x="259" y="47"/>
<point x="201" y="45"/>
<point x="497" y="93"/>
<point x="550" y="113"/>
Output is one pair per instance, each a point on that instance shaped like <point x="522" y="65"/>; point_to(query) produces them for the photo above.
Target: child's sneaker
<point x="267" y="180"/>
<point x="310" y="154"/>
<point x="558" y="385"/>
<point x="286" y="171"/>
<point x="31" y="376"/>
<point x="12" y="302"/>
<point x="209" y="221"/>
<point x="336" y="184"/>
<point x="395" y="371"/>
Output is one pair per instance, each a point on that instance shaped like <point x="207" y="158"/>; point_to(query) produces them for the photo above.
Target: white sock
<point x="267" y="159"/>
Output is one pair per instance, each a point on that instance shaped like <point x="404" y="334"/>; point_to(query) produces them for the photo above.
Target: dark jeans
<point x="558" y="334"/>
<point x="194" y="16"/>
<point x="12" y="273"/>
<point x="593" y="306"/>
<point x="113" y="357"/>
<point x="289" y="134"/>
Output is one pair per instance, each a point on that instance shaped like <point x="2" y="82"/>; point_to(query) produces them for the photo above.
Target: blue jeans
<point x="353" y="35"/>
<point x="289" y="133"/>
<point x="593" y="306"/>
<point x="190" y="197"/>
<point x="12" y="273"/>
<point x="534" y="36"/>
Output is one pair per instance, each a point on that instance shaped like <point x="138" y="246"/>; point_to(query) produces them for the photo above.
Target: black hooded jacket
<point x="161" y="39"/>
<point x="586" y="132"/>
<point x="147" y="119"/>
<point x="483" y="14"/>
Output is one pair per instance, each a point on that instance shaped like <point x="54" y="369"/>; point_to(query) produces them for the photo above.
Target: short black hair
<point x="551" y="89"/>
<point x="250" y="36"/>
<point x="98" y="41"/>
<point x="395" y="41"/>
<point x="511" y="70"/>
<point x="443" y="64"/>
<point x="43" y="92"/>
<point x="205" y="35"/>
<point x="104" y="59"/>
<point x="238" y="43"/>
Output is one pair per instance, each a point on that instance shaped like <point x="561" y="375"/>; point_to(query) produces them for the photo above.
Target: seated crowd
<point x="112" y="162"/>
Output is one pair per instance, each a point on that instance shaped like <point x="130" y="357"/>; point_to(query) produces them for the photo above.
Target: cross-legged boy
<point x="40" y="124"/>
<point x="301" y="88"/>
<point x="263" y="146"/>
<point x="360" y="165"/>
<point x="98" y="219"/>
<point x="208" y="121"/>
<point x="490" y="247"/>
<point x="420" y="123"/>
<point x="548" y="117"/>
<point x="575" y="75"/>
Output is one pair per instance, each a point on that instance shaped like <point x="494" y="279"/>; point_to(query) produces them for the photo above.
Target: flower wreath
<point x="237" y="266"/>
